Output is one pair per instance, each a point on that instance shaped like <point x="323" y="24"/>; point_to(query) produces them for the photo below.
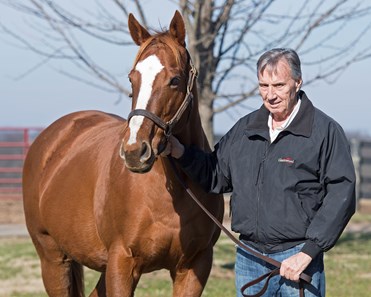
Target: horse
<point x="98" y="193"/>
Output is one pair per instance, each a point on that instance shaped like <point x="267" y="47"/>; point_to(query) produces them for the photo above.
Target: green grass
<point x="348" y="271"/>
<point x="348" y="266"/>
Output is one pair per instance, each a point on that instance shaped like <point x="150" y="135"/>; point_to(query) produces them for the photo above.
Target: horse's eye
<point x="174" y="82"/>
<point x="130" y="95"/>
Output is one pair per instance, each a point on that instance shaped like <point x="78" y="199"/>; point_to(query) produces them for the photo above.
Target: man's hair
<point x="273" y="56"/>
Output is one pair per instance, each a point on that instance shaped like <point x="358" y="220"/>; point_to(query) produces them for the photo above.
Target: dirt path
<point x="11" y="209"/>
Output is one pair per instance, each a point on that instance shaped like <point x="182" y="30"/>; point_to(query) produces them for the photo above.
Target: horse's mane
<point x="165" y="39"/>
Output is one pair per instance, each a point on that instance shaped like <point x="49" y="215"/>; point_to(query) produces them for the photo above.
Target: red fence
<point x="14" y="144"/>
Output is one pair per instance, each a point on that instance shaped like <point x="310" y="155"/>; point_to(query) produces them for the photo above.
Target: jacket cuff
<point x="311" y="249"/>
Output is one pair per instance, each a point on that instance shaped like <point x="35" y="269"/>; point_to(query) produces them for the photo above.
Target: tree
<point x="225" y="39"/>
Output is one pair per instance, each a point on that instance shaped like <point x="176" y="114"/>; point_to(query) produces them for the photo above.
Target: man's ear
<point x="298" y="85"/>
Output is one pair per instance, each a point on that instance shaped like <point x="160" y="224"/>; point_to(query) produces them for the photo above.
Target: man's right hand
<point x="173" y="148"/>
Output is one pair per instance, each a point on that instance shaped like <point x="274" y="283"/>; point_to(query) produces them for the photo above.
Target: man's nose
<point x="271" y="92"/>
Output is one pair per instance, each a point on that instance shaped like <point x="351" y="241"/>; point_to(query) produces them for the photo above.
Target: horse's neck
<point x="193" y="134"/>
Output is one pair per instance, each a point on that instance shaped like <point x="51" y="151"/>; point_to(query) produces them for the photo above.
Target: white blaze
<point x="148" y="68"/>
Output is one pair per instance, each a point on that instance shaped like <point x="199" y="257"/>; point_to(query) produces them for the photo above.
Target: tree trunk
<point x="207" y="114"/>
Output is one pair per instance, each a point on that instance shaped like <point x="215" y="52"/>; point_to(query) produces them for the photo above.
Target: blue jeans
<point x="248" y="268"/>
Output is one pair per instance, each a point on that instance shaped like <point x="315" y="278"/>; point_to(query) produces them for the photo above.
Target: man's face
<point x="278" y="90"/>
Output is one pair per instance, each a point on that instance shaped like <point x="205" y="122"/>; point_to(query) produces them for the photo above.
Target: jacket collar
<point x="301" y="125"/>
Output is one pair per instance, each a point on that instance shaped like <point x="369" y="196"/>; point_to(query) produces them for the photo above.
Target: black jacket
<point x="300" y="188"/>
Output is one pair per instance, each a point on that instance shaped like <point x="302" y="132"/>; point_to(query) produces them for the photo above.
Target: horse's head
<point x="161" y="80"/>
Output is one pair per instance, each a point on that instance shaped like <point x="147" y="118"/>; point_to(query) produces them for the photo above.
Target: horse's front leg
<point x="123" y="272"/>
<point x="190" y="278"/>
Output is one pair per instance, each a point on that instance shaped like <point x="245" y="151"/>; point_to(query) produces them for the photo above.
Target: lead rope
<point x="277" y="264"/>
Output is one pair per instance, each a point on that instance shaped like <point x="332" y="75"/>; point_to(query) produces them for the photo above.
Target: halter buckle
<point x="168" y="131"/>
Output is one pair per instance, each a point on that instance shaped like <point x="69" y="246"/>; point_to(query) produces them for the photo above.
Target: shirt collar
<point x="301" y="124"/>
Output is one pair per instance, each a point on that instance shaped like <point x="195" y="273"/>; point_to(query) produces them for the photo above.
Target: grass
<point x="20" y="273"/>
<point x="348" y="266"/>
<point x="348" y="270"/>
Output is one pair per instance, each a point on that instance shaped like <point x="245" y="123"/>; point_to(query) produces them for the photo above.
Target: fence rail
<point x="14" y="144"/>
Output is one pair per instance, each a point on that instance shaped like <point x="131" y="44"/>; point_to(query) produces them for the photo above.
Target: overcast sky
<point x="44" y="95"/>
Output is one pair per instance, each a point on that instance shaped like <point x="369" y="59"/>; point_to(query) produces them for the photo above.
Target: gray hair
<point x="273" y="56"/>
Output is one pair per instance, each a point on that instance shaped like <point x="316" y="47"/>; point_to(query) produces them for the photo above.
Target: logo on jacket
<point x="287" y="160"/>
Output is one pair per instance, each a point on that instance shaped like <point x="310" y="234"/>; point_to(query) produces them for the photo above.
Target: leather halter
<point x="168" y="126"/>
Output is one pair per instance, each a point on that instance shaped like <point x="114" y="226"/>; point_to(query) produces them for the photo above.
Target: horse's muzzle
<point x="138" y="158"/>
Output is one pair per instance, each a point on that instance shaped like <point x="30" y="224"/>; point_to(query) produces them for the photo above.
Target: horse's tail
<point x="76" y="280"/>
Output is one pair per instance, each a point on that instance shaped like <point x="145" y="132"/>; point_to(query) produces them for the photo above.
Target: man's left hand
<point x="292" y="267"/>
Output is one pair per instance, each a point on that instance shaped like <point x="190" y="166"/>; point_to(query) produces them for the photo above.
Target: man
<point x="291" y="175"/>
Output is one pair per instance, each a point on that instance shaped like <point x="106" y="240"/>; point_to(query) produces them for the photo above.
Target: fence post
<point x="26" y="141"/>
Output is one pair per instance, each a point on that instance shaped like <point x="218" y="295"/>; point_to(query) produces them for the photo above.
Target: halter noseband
<point x="168" y="126"/>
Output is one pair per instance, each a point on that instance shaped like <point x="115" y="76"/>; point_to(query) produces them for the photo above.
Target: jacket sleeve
<point x="338" y="179"/>
<point x="211" y="170"/>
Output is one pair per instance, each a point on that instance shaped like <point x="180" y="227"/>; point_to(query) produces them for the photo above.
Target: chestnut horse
<point x="86" y="206"/>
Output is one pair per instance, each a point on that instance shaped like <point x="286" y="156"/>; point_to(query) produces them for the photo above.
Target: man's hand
<point x="292" y="267"/>
<point x="173" y="148"/>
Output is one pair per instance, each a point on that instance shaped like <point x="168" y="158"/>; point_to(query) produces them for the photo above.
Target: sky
<point x="44" y="95"/>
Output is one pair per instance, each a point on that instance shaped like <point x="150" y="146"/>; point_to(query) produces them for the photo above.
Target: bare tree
<point x="225" y="38"/>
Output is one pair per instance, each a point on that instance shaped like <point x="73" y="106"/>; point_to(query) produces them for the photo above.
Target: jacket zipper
<point x="259" y="182"/>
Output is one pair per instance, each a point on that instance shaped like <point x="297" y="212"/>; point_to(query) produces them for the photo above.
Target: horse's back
<point x="65" y="138"/>
<point x="60" y="136"/>
<point x="60" y="176"/>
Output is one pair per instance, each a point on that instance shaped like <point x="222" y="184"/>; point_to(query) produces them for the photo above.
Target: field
<point x="348" y="267"/>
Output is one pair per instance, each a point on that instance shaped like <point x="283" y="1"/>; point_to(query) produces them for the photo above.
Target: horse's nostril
<point x="145" y="153"/>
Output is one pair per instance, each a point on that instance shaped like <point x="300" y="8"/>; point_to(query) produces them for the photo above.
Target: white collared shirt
<point x="274" y="133"/>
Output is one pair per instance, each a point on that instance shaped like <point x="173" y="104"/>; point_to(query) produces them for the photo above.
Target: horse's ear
<point x="137" y="31"/>
<point x="177" y="28"/>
